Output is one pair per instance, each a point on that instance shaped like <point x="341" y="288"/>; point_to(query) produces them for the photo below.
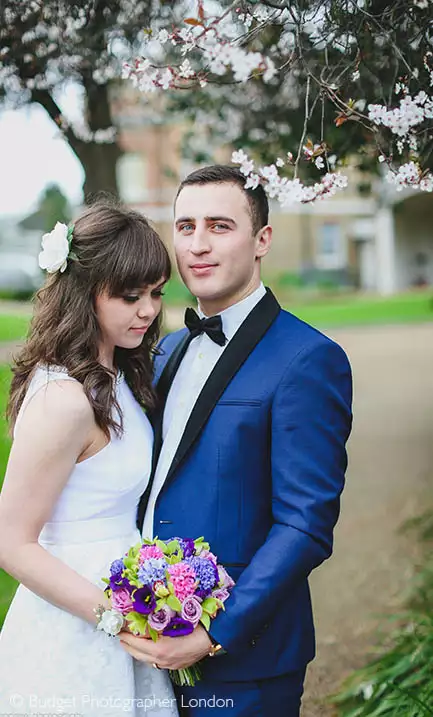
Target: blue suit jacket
<point x="259" y="472"/>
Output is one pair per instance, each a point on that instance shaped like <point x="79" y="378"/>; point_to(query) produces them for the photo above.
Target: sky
<point x="33" y="154"/>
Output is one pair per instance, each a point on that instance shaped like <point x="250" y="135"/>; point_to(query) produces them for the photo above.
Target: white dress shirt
<point x="195" y="368"/>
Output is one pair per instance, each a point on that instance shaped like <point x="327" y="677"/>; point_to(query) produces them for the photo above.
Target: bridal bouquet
<point x="166" y="587"/>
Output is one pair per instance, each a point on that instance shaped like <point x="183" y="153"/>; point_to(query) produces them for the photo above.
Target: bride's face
<point x="124" y="320"/>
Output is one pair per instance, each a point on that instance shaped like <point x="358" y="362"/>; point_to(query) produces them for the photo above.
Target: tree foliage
<point x="328" y="77"/>
<point x="45" y="44"/>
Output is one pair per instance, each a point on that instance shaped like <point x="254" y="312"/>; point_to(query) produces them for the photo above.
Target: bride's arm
<point x="53" y="432"/>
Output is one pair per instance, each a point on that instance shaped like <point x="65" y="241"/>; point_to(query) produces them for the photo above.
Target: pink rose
<point x="122" y="601"/>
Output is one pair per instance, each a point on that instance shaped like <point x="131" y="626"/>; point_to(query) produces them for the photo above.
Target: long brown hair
<point x="115" y="250"/>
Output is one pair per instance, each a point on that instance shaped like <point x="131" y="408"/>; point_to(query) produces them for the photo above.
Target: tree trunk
<point x="99" y="160"/>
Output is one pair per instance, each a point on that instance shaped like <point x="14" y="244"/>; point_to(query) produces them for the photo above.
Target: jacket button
<point x="253" y="643"/>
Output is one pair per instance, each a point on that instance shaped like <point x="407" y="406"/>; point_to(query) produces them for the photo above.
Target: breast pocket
<point x="240" y="402"/>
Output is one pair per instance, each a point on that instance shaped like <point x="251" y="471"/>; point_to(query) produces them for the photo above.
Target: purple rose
<point x="144" y="600"/>
<point x="122" y="601"/>
<point x="191" y="610"/>
<point x="160" y="619"/>
<point x="208" y="555"/>
<point x="177" y="627"/>
<point x="221" y="594"/>
<point x="224" y="578"/>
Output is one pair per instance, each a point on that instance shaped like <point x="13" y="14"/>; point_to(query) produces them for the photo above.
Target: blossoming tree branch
<point x="313" y="82"/>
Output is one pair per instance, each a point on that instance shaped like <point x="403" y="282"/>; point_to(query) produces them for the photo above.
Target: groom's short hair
<point x="226" y="174"/>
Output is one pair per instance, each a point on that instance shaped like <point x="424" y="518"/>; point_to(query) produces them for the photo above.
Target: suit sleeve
<point x="311" y="422"/>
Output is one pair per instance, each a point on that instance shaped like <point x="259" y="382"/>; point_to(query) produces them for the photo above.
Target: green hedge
<point x="7" y="584"/>
<point x="399" y="683"/>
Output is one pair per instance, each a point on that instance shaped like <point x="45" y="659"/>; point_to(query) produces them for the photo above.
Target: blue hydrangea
<point x="206" y="572"/>
<point x="116" y="568"/>
<point x="152" y="569"/>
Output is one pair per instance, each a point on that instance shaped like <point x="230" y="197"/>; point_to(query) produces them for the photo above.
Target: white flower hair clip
<point x="56" y="248"/>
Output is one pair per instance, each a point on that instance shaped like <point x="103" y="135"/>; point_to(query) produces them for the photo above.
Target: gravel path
<point x="390" y="475"/>
<point x="389" y="478"/>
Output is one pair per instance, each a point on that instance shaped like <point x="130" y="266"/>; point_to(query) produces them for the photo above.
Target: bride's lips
<point x="139" y="329"/>
<point x="202" y="269"/>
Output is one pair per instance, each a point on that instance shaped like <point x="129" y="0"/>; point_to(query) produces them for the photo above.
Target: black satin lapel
<point x="246" y="338"/>
<point x="162" y="389"/>
<point x="170" y="368"/>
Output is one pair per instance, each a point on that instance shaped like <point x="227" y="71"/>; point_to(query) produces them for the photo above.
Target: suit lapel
<point x="242" y="344"/>
<point x="162" y="388"/>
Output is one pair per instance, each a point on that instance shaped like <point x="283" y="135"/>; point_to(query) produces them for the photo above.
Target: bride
<point x="80" y="460"/>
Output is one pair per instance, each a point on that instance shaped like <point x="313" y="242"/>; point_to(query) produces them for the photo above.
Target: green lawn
<point x="322" y="310"/>
<point x="7" y="584"/>
<point x="356" y="310"/>
<point x="13" y="328"/>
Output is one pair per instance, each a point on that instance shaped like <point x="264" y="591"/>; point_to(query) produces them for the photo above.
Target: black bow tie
<point x="213" y="326"/>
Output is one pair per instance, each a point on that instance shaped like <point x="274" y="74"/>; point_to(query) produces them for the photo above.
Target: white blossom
<point x="55" y="249"/>
<point x="185" y="70"/>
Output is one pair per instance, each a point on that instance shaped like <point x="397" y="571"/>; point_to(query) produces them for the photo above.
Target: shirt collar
<point x="235" y="315"/>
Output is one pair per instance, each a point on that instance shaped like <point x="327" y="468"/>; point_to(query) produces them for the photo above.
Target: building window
<point x="132" y="177"/>
<point x="330" y="249"/>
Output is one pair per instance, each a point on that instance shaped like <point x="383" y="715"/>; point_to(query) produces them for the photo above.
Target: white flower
<point x="367" y="691"/>
<point x="252" y="182"/>
<point x="111" y="622"/>
<point x="239" y="157"/>
<point x="55" y="249"/>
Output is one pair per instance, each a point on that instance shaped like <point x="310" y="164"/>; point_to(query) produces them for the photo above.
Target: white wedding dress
<point x="52" y="662"/>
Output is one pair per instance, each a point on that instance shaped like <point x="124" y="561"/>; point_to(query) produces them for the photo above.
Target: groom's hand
<point x="169" y="653"/>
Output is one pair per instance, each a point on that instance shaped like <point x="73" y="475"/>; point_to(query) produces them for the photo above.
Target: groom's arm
<point x="311" y="421"/>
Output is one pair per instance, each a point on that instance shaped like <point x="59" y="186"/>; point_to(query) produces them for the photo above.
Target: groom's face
<point x="217" y="252"/>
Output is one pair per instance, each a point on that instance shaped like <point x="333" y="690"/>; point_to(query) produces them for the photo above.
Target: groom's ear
<point x="263" y="241"/>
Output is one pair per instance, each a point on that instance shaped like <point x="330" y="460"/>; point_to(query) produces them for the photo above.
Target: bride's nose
<point x="146" y="309"/>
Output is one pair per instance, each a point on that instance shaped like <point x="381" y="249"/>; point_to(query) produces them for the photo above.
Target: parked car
<point x="19" y="273"/>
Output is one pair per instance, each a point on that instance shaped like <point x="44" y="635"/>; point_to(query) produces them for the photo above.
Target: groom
<point x="250" y="453"/>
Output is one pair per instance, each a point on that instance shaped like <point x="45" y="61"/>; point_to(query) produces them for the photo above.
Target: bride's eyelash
<point x="132" y="298"/>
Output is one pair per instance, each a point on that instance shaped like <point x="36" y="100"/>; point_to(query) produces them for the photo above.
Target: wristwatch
<point x="216" y="649"/>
